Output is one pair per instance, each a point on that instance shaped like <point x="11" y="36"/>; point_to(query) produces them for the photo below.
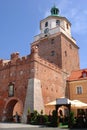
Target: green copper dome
<point x="54" y="11"/>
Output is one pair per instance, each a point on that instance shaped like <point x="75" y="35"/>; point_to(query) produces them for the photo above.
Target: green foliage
<point x="72" y="121"/>
<point x="72" y="116"/>
<point x="40" y="119"/>
<point x="41" y="112"/>
<point x="45" y="117"/>
<point x="29" y="111"/>
<point x="35" y="113"/>
<point x="54" y="118"/>
<point x="34" y="116"/>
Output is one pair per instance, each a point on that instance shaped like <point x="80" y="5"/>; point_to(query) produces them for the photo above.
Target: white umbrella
<point x="77" y="103"/>
<point x="53" y="103"/>
<point x="59" y="101"/>
<point x="62" y="101"/>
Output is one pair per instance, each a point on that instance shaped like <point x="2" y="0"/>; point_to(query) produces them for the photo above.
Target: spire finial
<point x="54" y="11"/>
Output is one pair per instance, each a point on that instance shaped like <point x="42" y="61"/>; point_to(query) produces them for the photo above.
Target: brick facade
<point x="51" y="61"/>
<point x="77" y="88"/>
<point x="60" y="50"/>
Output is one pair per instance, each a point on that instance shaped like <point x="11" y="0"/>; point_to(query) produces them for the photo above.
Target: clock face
<point x="46" y="30"/>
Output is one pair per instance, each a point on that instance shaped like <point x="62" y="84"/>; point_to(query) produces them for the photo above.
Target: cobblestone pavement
<point x="15" y="126"/>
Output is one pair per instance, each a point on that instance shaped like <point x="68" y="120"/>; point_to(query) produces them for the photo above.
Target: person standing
<point x="17" y="118"/>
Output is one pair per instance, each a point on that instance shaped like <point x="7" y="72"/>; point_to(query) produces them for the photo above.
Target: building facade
<point x="77" y="88"/>
<point x="31" y="81"/>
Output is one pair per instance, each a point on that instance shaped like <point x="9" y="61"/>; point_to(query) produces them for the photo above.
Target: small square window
<point x="52" y="41"/>
<point x="52" y="53"/>
<point x="79" y="90"/>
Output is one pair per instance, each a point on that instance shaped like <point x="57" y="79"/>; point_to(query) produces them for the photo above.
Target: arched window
<point x="46" y="24"/>
<point x="65" y="53"/>
<point x="57" y="22"/>
<point x="67" y="26"/>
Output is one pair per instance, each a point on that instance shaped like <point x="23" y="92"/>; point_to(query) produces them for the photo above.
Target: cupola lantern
<point x="54" y="11"/>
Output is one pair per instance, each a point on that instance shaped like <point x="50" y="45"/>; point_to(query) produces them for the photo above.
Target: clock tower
<point x="55" y="42"/>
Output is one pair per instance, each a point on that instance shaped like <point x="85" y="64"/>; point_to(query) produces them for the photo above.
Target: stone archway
<point x="63" y="111"/>
<point x="12" y="106"/>
<point x="68" y="106"/>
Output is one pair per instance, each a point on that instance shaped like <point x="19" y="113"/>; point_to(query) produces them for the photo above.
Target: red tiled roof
<point x="77" y="75"/>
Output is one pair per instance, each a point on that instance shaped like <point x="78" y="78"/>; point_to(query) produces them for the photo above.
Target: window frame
<point x="67" y="26"/>
<point x="52" y="41"/>
<point x="46" y="24"/>
<point x="79" y="90"/>
<point x="65" y="53"/>
<point x="84" y="74"/>
<point x="11" y="90"/>
<point x="58" y="22"/>
<point x="52" y="53"/>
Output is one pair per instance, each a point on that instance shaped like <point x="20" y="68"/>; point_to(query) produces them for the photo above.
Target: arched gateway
<point x="12" y="106"/>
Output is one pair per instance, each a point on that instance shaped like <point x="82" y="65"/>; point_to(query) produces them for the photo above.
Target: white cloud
<point x="79" y="21"/>
<point x="77" y="16"/>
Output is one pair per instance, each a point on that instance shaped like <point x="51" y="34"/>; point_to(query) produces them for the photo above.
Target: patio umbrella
<point x="59" y="101"/>
<point x="78" y="104"/>
<point x="74" y="103"/>
<point x="53" y="103"/>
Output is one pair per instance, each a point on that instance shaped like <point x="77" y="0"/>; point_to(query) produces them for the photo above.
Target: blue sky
<point x="19" y="23"/>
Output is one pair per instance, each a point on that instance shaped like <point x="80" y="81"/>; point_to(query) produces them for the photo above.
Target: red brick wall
<point x="19" y="71"/>
<point x="52" y="79"/>
<point x="16" y="71"/>
<point x="70" y="55"/>
<point x="46" y="46"/>
<point x="60" y="45"/>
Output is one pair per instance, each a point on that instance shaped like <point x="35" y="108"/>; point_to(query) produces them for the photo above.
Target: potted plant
<point x="28" y="116"/>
